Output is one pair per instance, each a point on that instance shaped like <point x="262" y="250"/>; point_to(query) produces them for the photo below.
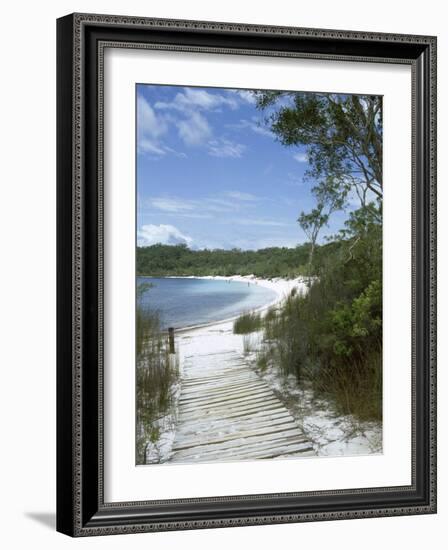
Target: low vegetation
<point x="247" y="322"/>
<point x="157" y="373"/>
<point x="249" y="345"/>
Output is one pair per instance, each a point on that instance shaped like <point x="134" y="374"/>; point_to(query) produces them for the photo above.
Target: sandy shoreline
<point x="219" y="334"/>
<point x="282" y="288"/>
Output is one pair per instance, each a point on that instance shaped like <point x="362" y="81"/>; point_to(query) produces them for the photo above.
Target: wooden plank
<point x="227" y="402"/>
<point x="252" y="436"/>
<point x="226" y="412"/>
<point x="269" y="408"/>
<point x="226" y="429"/>
<point x="234" y="382"/>
<point x="201" y="403"/>
<point x="220" y="426"/>
<point x="205" y="390"/>
<point x="228" y="379"/>
<point x="269" y="449"/>
<point x="216" y="411"/>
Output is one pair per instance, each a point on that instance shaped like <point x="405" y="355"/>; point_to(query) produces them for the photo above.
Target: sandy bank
<point x="281" y="287"/>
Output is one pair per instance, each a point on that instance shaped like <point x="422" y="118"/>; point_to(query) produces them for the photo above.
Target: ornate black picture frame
<point x="81" y="509"/>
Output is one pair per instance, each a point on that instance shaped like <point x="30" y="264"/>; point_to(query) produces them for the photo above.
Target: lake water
<point x="187" y="302"/>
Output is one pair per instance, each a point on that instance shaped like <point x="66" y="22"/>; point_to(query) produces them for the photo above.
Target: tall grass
<point x="356" y="387"/>
<point x="156" y="374"/>
<point x="333" y="342"/>
<point x="248" y="344"/>
<point x="247" y="323"/>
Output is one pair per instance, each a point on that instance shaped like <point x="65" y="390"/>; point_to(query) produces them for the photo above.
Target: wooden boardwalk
<point x="227" y="412"/>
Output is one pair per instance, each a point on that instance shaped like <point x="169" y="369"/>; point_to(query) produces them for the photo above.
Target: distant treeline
<point x="165" y="260"/>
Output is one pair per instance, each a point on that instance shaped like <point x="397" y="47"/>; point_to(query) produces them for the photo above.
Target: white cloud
<point x="258" y="129"/>
<point x="219" y="205"/>
<point x="190" y="208"/>
<point x="204" y="207"/>
<point x="238" y="195"/>
<point x="192" y="98"/>
<point x="225" y="148"/>
<point x="196" y="216"/>
<point x="149" y="124"/>
<point x="151" y="234"/>
<point x="151" y="127"/>
<point x="246" y="96"/>
<point x="194" y="130"/>
<point x="301" y="157"/>
<point x="255" y="125"/>
<point x="168" y="204"/>
<point x="192" y="125"/>
<point x="176" y="153"/>
<point x="147" y="146"/>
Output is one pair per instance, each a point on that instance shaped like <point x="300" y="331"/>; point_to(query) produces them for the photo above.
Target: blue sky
<point x="210" y="174"/>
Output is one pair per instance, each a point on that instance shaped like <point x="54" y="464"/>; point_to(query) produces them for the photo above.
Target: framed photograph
<point x="246" y="274"/>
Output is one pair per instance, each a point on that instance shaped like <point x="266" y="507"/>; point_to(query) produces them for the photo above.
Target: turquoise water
<point x="187" y="302"/>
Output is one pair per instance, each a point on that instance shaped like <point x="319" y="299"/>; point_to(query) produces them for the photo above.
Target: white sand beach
<point x="281" y="287"/>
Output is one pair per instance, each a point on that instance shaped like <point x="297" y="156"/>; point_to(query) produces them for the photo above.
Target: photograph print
<point x="258" y="274"/>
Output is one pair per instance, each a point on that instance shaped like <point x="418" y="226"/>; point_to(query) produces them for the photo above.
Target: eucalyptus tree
<point x="342" y="134"/>
<point x="330" y="197"/>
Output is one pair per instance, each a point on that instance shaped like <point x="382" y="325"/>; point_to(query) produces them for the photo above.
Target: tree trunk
<point x="310" y="260"/>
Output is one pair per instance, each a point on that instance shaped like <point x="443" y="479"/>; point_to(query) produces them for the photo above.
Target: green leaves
<point x="342" y="133"/>
<point x="367" y="312"/>
<point x="357" y="324"/>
